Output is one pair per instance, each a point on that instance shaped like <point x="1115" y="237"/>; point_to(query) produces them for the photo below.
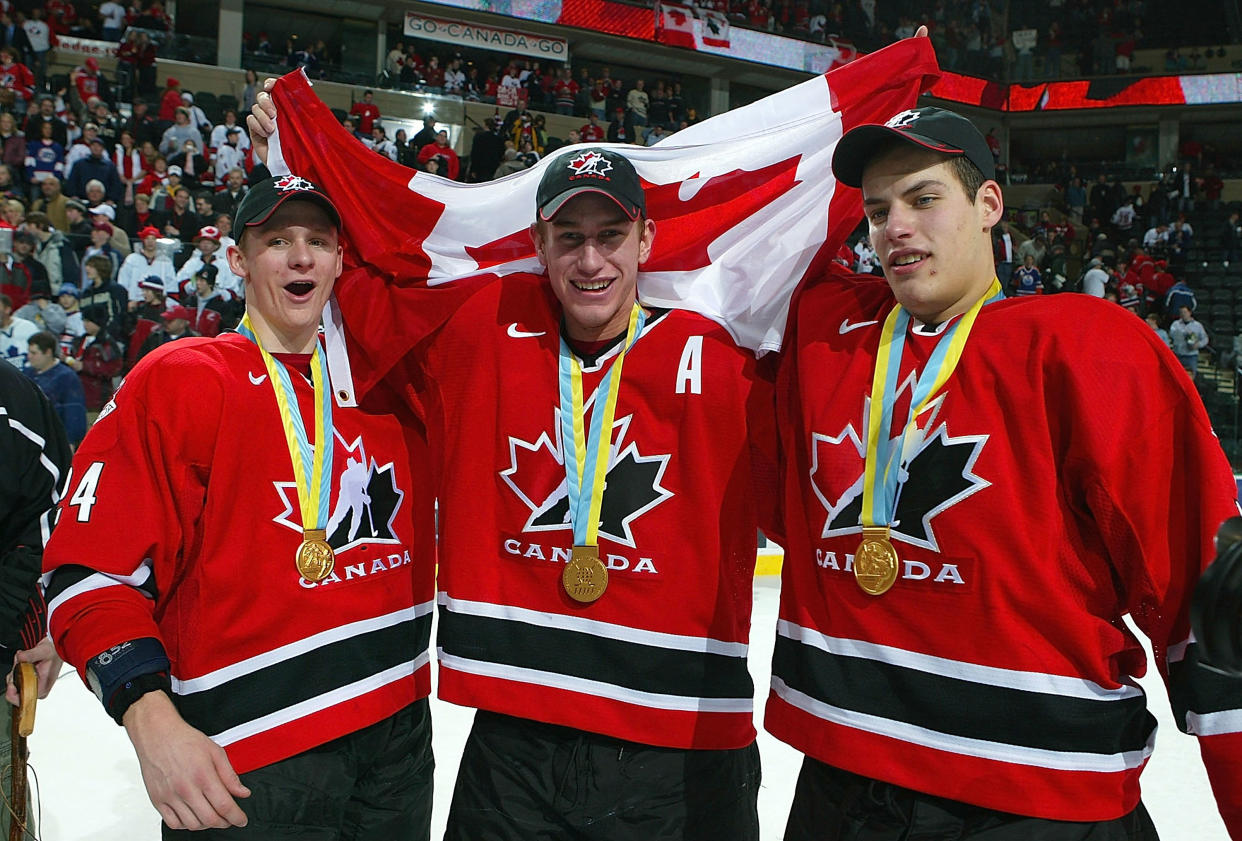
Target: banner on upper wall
<point x="86" y="47"/>
<point x="478" y="35"/>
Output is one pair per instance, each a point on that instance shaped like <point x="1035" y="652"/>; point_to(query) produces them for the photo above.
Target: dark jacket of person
<point x="34" y="468"/>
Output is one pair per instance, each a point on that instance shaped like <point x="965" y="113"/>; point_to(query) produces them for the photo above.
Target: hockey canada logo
<point x="536" y="474"/>
<point x="903" y="120"/>
<point x="590" y="165"/>
<point x="292" y="183"/>
<point x="365" y="500"/>
<point x="937" y="475"/>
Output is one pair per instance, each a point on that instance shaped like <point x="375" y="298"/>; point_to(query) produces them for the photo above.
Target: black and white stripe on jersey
<point x="282" y="685"/>
<point x="66" y="582"/>
<point x="1043" y="720"/>
<point x="1205" y="702"/>
<point x="647" y="668"/>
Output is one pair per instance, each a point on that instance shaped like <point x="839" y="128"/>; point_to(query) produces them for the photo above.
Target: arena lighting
<point x="428" y="108"/>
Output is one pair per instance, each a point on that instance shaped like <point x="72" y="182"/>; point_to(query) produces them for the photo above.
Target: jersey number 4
<point x="84" y="496"/>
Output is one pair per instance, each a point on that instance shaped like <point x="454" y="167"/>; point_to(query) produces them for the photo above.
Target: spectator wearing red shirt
<point x="61" y="16"/>
<point x="170" y="101"/>
<point x="433" y="75"/>
<point x="592" y="132"/>
<point x="86" y="81"/>
<point x="565" y="91"/>
<point x="366" y="112"/>
<point x="449" y="165"/>
<point x="16" y="77"/>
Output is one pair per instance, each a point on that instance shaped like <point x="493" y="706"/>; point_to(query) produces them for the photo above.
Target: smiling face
<point x="593" y="251"/>
<point x="932" y="241"/>
<point x="289" y="265"/>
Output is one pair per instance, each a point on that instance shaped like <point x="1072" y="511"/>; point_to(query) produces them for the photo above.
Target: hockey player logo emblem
<point x="536" y="475"/>
<point x="365" y="500"/>
<point x="590" y="165"/>
<point x="293" y="183"/>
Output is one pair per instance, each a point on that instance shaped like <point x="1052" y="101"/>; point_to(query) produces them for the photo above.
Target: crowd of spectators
<point x="115" y="209"/>
<point x="614" y="110"/>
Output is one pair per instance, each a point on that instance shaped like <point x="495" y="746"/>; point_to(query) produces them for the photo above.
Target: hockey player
<point x="601" y="633"/>
<point x="966" y="532"/>
<point x="202" y="583"/>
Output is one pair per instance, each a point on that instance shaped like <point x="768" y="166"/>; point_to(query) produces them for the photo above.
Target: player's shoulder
<point x="838" y="291"/>
<point x="1075" y="312"/>
<point x="678" y="324"/>
<point x="187" y="366"/>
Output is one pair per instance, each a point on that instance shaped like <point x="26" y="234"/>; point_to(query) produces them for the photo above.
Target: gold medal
<point x="315" y="557"/>
<point x="875" y="561"/>
<point x="585" y="577"/>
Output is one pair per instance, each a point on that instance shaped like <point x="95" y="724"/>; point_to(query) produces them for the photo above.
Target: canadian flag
<point x="675" y="25"/>
<point x="715" y="28"/>
<point x="745" y="205"/>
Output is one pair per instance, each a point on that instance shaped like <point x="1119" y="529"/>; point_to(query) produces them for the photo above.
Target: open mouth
<point x="300" y="288"/>
<point x="591" y="285"/>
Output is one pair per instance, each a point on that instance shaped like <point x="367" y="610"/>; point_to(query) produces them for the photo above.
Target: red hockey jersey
<point x="182" y="521"/>
<point x="998" y="670"/>
<point x="660" y="658"/>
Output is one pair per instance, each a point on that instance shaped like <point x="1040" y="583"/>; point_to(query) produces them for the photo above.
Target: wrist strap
<point x="134" y="689"/>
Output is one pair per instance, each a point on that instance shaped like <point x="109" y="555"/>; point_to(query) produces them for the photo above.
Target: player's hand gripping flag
<point x="745" y="205"/>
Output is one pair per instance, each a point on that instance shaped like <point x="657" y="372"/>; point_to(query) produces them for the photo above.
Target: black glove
<point x="1216" y="611"/>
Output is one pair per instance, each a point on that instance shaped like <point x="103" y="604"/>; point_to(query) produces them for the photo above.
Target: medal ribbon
<point x="586" y="462"/>
<point x="882" y="470"/>
<point x="312" y="467"/>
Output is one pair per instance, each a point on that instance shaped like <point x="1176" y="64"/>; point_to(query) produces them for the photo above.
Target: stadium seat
<point x="227" y="101"/>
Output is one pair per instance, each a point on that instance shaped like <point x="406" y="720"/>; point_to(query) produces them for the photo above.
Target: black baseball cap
<point x="594" y="170"/>
<point x="269" y="194"/>
<point x="929" y="128"/>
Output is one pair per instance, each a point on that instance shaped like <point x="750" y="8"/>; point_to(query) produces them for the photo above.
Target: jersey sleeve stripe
<point x="67" y="582"/>
<point x="40" y="444"/>
<point x="1214" y="724"/>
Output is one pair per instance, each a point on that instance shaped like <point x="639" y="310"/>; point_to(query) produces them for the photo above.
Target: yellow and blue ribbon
<point x="586" y="461"/>
<point x="881" y="474"/>
<point x="312" y="465"/>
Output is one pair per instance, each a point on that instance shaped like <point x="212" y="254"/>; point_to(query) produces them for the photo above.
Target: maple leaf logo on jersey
<point x="365" y="499"/>
<point x="536" y="474"/>
<point x="938" y="475"/>
<point x="591" y="164"/>
<point x="292" y="183"/>
<point x="905" y="119"/>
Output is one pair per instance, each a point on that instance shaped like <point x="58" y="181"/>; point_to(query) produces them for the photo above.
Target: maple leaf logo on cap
<point x="291" y="183"/>
<point x="591" y="163"/>
<point x="904" y="119"/>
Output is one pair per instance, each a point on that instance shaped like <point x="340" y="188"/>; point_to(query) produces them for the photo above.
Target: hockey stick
<point x="26" y="681"/>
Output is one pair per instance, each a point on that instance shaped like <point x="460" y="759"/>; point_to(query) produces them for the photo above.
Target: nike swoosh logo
<point x="847" y="327"/>
<point x="522" y="334"/>
<point x="256" y="380"/>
